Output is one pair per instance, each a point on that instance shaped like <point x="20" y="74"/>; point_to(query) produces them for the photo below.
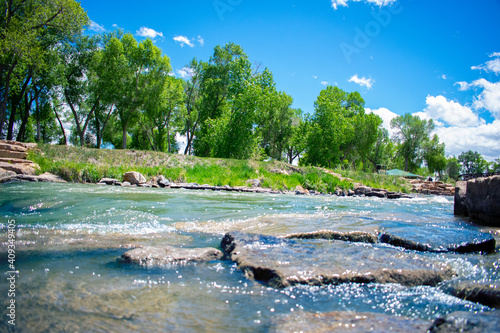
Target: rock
<point x="435" y="239"/>
<point x="483" y="200"/>
<point x="109" y="181"/>
<point x="126" y="184"/>
<point x="284" y="262"/>
<point x="467" y="322"/>
<point x="377" y="194"/>
<point x="12" y="147"/>
<point x="254" y="182"/>
<point x="48" y="177"/>
<point x="162" y="181"/>
<point x="350" y="193"/>
<point x="169" y="255"/>
<point x="20" y="169"/>
<point x="360" y="190"/>
<point x="13" y="154"/>
<point x="299" y="190"/>
<point x="45" y="177"/>
<point x="6" y="175"/>
<point x="340" y="321"/>
<point x="134" y="178"/>
<point x="460" y="208"/>
<point x="486" y="293"/>
<point x="353" y="236"/>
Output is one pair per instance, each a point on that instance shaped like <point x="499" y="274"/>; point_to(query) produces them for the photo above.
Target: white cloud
<point x="115" y="25"/>
<point x="185" y="73"/>
<point x="484" y="138"/>
<point x="325" y="83"/>
<point x="443" y="77"/>
<point x="450" y="112"/>
<point x="363" y="82"/>
<point x="147" y="32"/>
<point x="201" y="41"/>
<point x="94" y="26"/>
<point x="386" y="116"/>
<point x="380" y="3"/>
<point x="183" y="40"/>
<point x="315" y="77"/>
<point x="489" y="98"/>
<point x="490" y="66"/>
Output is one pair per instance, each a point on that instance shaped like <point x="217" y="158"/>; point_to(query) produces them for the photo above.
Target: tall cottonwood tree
<point x="411" y="133"/>
<point x="139" y="68"/>
<point x="28" y="30"/>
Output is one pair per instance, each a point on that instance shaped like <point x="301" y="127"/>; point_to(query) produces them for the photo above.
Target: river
<point x="69" y="237"/>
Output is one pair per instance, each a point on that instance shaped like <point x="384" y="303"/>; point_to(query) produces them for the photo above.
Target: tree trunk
<point x="124" y="137"/>
<point x="62" y="127"/>
<point x="12" y="119"/>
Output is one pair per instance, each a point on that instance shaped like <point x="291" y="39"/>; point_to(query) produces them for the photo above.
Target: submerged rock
<point x="439" y="240"/>
<point x="340" y="321"/>
<point x="467" y="322"/>
<point x="169" y="254"/>
<point x="486" y="293"/>
<point x="284" y="262"/>
<point x="109" y="181"/>
<point x="353" y="236"/>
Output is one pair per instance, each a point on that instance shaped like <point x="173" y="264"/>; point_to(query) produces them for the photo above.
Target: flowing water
<point x="69" y="237"/>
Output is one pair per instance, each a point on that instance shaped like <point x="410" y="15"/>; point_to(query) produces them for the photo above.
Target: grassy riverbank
<point x="90" y="165"/>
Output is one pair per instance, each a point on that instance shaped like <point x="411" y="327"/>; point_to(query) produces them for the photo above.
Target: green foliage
<point x="339" y="129"/>
<point x="452" y="168"/>
<point x="411" y="134"/>
<point x="472" y="162"/>
<point x="433" y="154"/>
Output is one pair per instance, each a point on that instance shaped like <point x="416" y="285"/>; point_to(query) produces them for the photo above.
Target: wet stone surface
<point x="467" y="322"/>
<point x="483" y="292"/>
<point x="436" y="239"/>
<point x="151" y="256"/>
<point x="347" y="322"/>
<point x="284" y="262"/>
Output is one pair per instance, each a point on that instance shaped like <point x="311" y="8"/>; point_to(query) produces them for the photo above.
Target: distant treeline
<point x="114" y="90"/>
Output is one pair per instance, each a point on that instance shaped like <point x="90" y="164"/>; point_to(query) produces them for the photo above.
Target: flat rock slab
<point x="352" y="236"/>
<point x="352" y="322"/>
<point x="486" y="293"/>
<point x="284" y="262"/>
<point x="151" y="256"/>
<point x="467" y="322"/>
<point x="436" y="239"/>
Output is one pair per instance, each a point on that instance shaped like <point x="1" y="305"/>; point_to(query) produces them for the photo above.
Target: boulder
<point x="460" y="208"/>
<point x="435" y="239"/>
<point x="353" y="236"/>
<point x="134" y="178"/>
<point x="170" y="255"/>
<point x="13" y="154"/>
<point x="48" y="177"/>
<point x="6" y="175"/>
<point x="360" y="190"/>
<point x="299" y="190"/>
<point x="352" y="322"/>
<point x="20" y="169"/>
<point x="483" y="292"/>
<point x="4" y="145"/>
<point x="109" y="181"/>
<point x="378" y="194"/>
<point x="467" y="322"/>
<point x="162" y="181"/>
<point x="284" y="262"/>
<point x="483" y="200"/>
<point x="254" y="182"/>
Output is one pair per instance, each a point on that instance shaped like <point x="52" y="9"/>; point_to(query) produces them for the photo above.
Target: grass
<point x="90" y="165"/>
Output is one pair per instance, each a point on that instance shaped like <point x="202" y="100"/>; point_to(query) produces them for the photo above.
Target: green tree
<point x="166" y="113"/>
<point x="411" y="133"/>
<point x="383" y="150"/>
<point x="297" y="142"/>
<point x="192" y="102"/>
<point x="453" y="168"/>
<point x="472" y="162"/>
<point x="139" y="68"/>
<point x="340" y="129"/>
<point x="28" y="30"/>
<point x="433" y="154"/>
<point x="224" y="112"/>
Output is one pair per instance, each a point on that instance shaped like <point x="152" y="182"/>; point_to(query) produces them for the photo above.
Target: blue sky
<point x="436" y="59"/>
